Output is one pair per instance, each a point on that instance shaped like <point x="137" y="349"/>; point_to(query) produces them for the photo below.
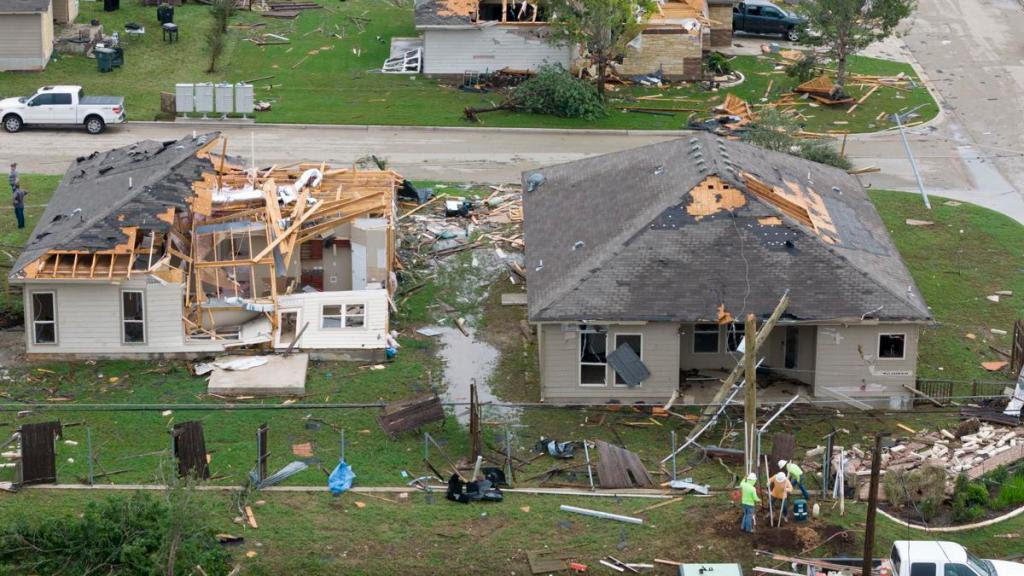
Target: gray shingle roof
<point x="23" y="6"/>
<point x="436" y="13"/>
<point x="610" y="238"/>
<point x="94" y="200"/>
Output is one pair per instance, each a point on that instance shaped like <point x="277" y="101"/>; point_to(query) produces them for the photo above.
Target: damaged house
<point x="174" y="248"/>
<point x="643" y="291"/>
<point x="475" y="36"/>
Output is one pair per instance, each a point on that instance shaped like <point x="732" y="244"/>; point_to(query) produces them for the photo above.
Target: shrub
<point x="999" y="475"/>
<point x="138" y="534"/>
<point x="553" y="90"/>
<point x="1011" y="493"/>
<point x="716" y="64"/>
<point x="805" y="69"/>
<point x="824" y="153"/>
<point x="776" y="132"/>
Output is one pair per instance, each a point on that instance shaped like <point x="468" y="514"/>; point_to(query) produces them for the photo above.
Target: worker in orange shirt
<point x="780" y="488"/>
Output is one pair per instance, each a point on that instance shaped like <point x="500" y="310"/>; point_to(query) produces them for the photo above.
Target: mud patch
<point x="468" y="361"/>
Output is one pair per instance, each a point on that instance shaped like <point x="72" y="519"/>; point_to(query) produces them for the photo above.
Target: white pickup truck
<point x="64" y="106"/>
<point x="926" y="558"/>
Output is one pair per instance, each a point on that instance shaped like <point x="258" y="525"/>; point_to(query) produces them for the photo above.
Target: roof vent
<point x="694" y="140"/>
<point x="837" y="190"/>
<point x="659" y="169"/>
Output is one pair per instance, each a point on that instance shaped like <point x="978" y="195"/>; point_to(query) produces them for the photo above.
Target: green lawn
<point x="321" y="78"/>
<point x="40" y="188"/>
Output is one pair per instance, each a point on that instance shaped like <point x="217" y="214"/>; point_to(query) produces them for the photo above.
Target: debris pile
<point x="973" y="449"/>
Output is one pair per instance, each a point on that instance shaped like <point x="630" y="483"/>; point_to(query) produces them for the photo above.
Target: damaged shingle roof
<point x="107" y="191"/>
<point x="624" y="237"/>
<point x="442" y="12"/>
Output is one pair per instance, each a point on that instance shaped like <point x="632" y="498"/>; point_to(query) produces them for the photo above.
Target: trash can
<point x="104" y="59"/>
<point x="800" y="510"/>
<point x="111" y="5"/>
<point x="117" y="59"/>
<point x="164" y="13"/>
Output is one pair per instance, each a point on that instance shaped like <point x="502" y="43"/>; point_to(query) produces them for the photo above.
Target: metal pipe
<point x="342" y="432"/>
<point x="600" y="514"/>
<point x="913" y="163"/>
<point x="590" y="472"/>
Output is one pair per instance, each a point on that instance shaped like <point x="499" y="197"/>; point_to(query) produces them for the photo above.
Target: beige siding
<point x="848" y="362"/>
<point x="488" y="49"/>
<point x="89" y="320"/>
<point x="26" y="41"/>
<point x="64" y="11"/>
<point x="773" y="351"/>
<point x="560" y="365"/>
<point x="372" y="335"/>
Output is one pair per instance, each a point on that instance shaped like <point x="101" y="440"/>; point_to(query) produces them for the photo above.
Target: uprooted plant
<point x="779" y="133"/>
<point x="553" y="91"/>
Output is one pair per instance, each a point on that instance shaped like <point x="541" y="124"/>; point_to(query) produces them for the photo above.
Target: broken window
<point x="705" y="339"/>
<point x="734" y="336"/>
<point x="634" y="341"/>
<point x="343" y="316"/>
<point x="133" y="317"/>
<point x="593" y="356"/>
<point x="792" y="343"/>
<point x="892" y="346"/>
<point x="511" y="11"/>
<point x="44" y="318"/>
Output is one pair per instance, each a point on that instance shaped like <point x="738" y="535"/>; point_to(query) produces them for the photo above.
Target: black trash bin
<point x="117" y="58"/>
<point x="111" y="5"/>
<point x="164" y="13"/>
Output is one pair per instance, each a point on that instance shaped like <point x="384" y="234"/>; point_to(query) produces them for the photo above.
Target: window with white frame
<point x="892" y="346"/>
<point x="634" y="341"/>
<point x="133" y="317"/>
<point x="44" y="318"/>
<point x="343" y="316"/>
<point x="593" y="356"/>
<point x="705" y="339"/>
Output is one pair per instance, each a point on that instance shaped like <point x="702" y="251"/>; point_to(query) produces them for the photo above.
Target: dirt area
<point x="790" y="537"/>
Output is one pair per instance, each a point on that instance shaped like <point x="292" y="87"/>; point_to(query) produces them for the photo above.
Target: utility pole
<point x="750" y="405"/>
<point x="869" y="530"/>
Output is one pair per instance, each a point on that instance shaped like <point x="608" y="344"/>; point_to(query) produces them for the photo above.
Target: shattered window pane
<point x="355" y="315"/>
<point x="132" y="317"/>
<point x="593" y="356"/>
<point x="705" y="338"/>
<point x="891" y="345"/>
<point x="44" y="314"/>
<point x="42" y="307"/>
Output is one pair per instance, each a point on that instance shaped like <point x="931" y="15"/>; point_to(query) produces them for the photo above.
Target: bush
<point x="922" y="489"/>
<point x="553" y="90"/>
<point x="716" y="64"/>
<point x="776" y="132"/>
<point x="805" y="69"/>
<point x="823" y="153"/>
<point x="999" y="475"/>
<point x="131" y="535"/>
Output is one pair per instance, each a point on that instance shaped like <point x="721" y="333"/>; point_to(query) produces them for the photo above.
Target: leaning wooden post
<point x="869" y="529"/>
<point x="750" y="406"/>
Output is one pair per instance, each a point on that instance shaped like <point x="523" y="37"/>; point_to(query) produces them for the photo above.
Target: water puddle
<point x="468" y="360"/>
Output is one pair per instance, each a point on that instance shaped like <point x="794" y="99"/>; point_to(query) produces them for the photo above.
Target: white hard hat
<point x="782" y="463"/>
<point x="780" y="477"/>
<point x="752" y="477"/>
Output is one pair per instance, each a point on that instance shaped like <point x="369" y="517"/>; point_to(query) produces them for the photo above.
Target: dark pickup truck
<point x="759" y="17"/>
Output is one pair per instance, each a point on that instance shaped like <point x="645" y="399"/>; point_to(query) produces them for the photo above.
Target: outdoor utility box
<point x="204" y="98"/>
<point x="800" y="510"/>
<point x="225" y="98"/>
<point x="710" y="570"/>
<point x="244" y="101"/>
<point x="184" y="98"/>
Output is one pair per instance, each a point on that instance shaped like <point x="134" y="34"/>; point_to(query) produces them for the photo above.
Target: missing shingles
<point x="713" y="195"/>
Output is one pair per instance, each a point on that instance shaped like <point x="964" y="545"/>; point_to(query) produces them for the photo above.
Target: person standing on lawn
<point x="13" y="178"/>
<point x="749" y="499"/>
<point x="18" y="198"/>
<point x="796" y="476"/>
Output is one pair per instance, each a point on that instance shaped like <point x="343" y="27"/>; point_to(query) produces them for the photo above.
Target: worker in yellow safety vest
<point x="796" y="476"/>
<point x="749" y="499"/>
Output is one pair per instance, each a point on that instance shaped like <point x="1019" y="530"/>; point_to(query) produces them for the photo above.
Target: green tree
<point x="845" y="27"/>
<point x="601" y="28"/>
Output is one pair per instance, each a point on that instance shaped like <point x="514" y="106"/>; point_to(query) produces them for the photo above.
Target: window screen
<point x="330" y="316"/>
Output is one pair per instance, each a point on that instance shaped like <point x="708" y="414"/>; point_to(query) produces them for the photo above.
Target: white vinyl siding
<point x="489" y="48"/>
<point x="371" y="335"/>
<point x="89" y="319"/>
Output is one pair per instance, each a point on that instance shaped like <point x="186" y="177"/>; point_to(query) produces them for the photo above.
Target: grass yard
<point x="320" y="78"/>
<point x="40" y="188"/>
<point x="317" y="534"/>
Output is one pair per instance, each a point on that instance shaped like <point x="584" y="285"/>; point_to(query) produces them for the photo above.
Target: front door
<point x="287" y="327"/>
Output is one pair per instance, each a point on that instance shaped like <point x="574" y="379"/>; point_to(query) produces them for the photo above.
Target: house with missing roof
<point x="175" y="248"/>
<point x="642" y="264"/>
<point x="476" y="36"/>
